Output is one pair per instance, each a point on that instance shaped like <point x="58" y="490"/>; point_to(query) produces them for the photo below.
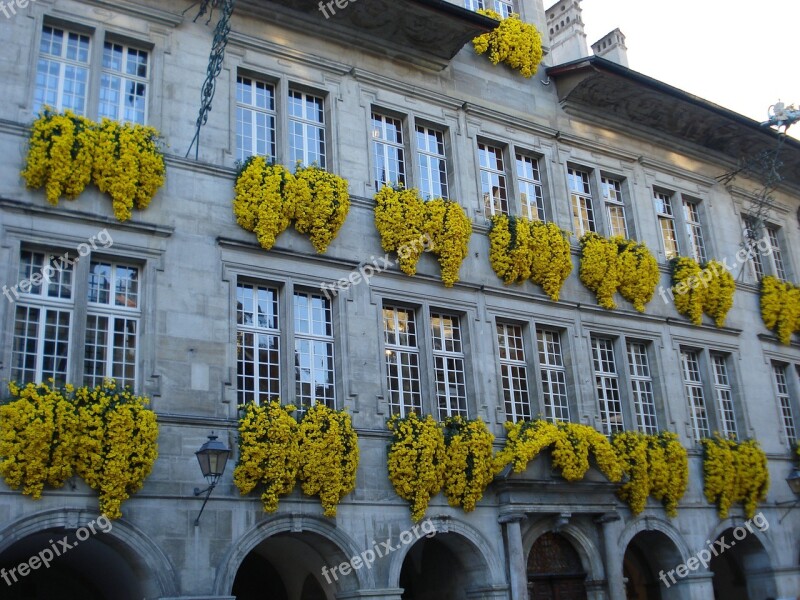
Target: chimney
<point x="567" y="38"/>
<point x="612" y="47"/>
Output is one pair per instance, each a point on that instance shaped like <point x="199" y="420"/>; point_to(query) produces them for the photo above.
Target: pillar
<point x="515" y="554"/>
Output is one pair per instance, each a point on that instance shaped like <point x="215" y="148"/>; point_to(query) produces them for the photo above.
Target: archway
<point x="555" y="570"/>
<point x="741" y="567"/>
<point x="647" y="555"/>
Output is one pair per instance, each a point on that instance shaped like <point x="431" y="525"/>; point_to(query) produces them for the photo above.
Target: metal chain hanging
<point x="215" y="59"/>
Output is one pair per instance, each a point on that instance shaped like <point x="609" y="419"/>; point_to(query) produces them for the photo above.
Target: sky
<point x="740" y="54"/>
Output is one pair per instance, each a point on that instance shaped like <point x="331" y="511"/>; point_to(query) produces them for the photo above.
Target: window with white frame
<point x="513" y="372"/>
<point x="306" y="129"/>
<point x="62" y="72"/>
<point x="432" y="163"/>
<point x="581" y="201"/>
<point x="402" y="360"/>
<point x="124" y="83"/>
<point x="693" y="385"/>
<point x="503" y="7"/>
<point x="784" y="400"/>
<point x="530" y="187"/>
<point x="607" y="385"/>
<point x="722" y="389"/>
<point x="553" y="375"/>
<point x="258" y="343"/>
<point x="255" y="119"/>
<point x="763" y="241"/>
<point x="776" y="255"/>
<point x="313" y="351"/>
<point x="694" y="230"/>
<point x="448" y="365"/>
<point x="494" y="189"/>
<point x="388" y="151"/>
<point x="112" y="323"/>
<point x="642" y="388"/>
<point x="615" y="207"/>
<point x="666" y="223"/>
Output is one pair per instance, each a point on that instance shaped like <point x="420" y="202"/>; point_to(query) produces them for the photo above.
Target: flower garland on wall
<point x="702" y="289"/>
<point x="520" y="249"/>
<point x="274" y="451"/>
<point x="734" y="472"/>
<point x="408" y="225"/>
<point x="267" y="198"/>
<point x="67" y="151"/>
<point x="513" y="42"/>
<point x="105" y="435"/>
<point x="780" y="307"/>
<point x="616" y="264"/>
<point x="469" y="461"/>
<point x="416" y="461"/>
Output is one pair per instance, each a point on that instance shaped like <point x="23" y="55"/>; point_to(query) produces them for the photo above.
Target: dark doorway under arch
<point x="742" y="571"/>
<point x="555" y="570"/>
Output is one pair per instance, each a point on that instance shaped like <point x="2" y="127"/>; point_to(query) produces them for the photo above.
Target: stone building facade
<point x="591" y="144"/>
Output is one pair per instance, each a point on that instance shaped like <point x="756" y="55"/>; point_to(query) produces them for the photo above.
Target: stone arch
<point x="132" y="544"/>
<point x="763" y="539"/>
<point x="588" y="551"/>
<point x="651" y="523"/>
<point x="650" y="547"/>
<point x="341" y="548"/>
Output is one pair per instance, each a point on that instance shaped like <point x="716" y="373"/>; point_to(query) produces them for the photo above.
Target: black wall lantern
<point x="212" y="456"/>
<point x="793" y="481"/>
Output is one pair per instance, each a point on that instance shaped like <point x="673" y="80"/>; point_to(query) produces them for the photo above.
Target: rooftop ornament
<point x="781" y="115"/>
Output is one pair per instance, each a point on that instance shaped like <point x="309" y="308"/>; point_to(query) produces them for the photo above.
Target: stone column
<point x="515" y="554"/>
<point x="611" y="524"/>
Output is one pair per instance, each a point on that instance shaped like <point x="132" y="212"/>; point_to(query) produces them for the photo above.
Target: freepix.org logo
<point x="9" y="9"/>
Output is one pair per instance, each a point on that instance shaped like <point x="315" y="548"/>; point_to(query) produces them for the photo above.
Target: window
<point x="306" y="129"/>
<point x="62" y="73"/>
<point x="694" y="231"/>
<point x="785" y="402"/>
<point x="666" y="222"/>
<point x="387" y="145"/>
<point x="615" y="208"/>
<point x="581" y="199"/>
<point x="513" y="372"/>
<point x="503" y="7"/>
<point x="448" y="364"/>
<point x="775" y="247"/>
<point x="402" y="360"/>
<point x="553" y="375"/>
<point x="763" y="240"/>
<point x="693" y="384"/>
<point x="255" y="119"/>
<point x="607" y="385"/>
<point x="493" y="180"/>
<point x="530" y="187"/>
<point x="432" y="163"/>
<point x="112" y="323"/>
<point x="642" y="388"/>
<point x="751" y="235"/>
<point x="257" y="343"/>
<point x="123" y="83"/>
<point x="722" y="389"/>
<point x="313" y="351"/>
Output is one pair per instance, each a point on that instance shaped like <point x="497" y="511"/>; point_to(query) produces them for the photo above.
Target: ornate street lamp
<point x="212" y="456"/>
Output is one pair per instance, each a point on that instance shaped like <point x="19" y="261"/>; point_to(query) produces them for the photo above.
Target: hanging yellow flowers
<point x="416" y="461"/>
<point x="409" y="225"/>
<point x="321" y="203"/>
<point x="520" y="249"/>
<point x="780" y="307"/>
<point x="734" y="472"/>
<point x="610" y="265"/>
<point x="469" y="464"/>
<point x="513" y="42"/>
<point x="328" y="455"/>
<point x="708" y="289"/>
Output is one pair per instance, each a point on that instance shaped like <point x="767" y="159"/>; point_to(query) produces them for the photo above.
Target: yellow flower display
<point x="513" y="42"/>
<point x="469" y="463"/>
<point x="328" y="455"/>
<point x="520" y="249"/>
<point x="408" y="225"/>
<point x="269" y="452"/>
<point x="702" y="289"/>
<point x="60" y="154"/>
<point x="734" y="472"/>
<point x="128" y="165"/>
<point x="321" y="202"/>
<point x="417" y="460"/>
<point x="261" y="202"/>
<point x="105" y="435"/>
<point x="780" y="307"/>
<point x="610" y="265"/>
